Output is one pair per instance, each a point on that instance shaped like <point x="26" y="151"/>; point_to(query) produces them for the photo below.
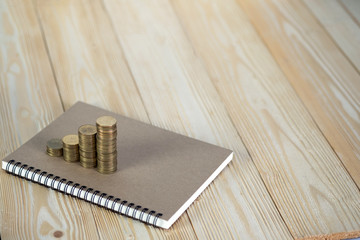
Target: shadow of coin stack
<point x="106" y="144"/>
<point x="87" y="145"/>
<point x="71" y="148"/>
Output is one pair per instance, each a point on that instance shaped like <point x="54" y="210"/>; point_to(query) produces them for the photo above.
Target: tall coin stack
<point x="87" y="145"/>
<point x="106" y="144"/>
<point x="71" y="148"/>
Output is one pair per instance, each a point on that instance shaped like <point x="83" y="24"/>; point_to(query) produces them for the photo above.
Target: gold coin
<point x="106" y="145"/>
<point x="106" y="130"/>
<point x="54" y="154"/>
<point x="54" y="143"/>
<point x="108" y="157"/>
<point x="70" y="140"/>
<point x="88" y="154"/>
<point x="52" y="151"/>
<point x="87" y="148"/>
<point x="71" y="159"/>
<point x="87" y="130"/>
<point x="107" y="138"/>
<point x="87" y="145"/>
<point x="71" y="148"/>
<point x="106" y="171"/>
<point x="106" y="121"/>
<point x="88" y="159"/>
<point x="105" y="166"/>
<point x="106" y="151"/>
<point x="106" y="133"/>
<point x="70" y="156"/>
<point x="54" y="147"/>
<point x="88" y="165"/>
<point x="102" y="128"/>
<point x="87" y="140"/>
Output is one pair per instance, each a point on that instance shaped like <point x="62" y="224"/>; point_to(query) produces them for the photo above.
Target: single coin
<point x="71" y="140"/>
<point x="54" y="143"/>
<point x="106" y="121"/>
<point x="87" y="129"/>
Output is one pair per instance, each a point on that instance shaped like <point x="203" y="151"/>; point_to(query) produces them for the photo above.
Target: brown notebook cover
<point x="160" y="173"/>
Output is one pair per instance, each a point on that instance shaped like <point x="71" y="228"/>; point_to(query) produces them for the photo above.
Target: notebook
<point x="160" y="173"/>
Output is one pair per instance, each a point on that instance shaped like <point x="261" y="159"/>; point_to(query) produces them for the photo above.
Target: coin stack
<point x="71" y="148"/>
<point x="87" y="145"/>
<point x="106" y="144"/>
<point x="54" y="147"/>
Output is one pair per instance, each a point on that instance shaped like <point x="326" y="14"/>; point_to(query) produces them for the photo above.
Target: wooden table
<point x="276" y="81"/>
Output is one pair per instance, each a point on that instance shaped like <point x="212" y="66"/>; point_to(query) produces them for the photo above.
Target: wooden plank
<point x="353" y="9"/>
<point x="340" y="25"/>
<point x="86" y="64"/>
<point x="29" y="101"/>
<point x="179" y="96"/>
<point x="324" y="79"/>
<point x="311" y="188"/>
<point x="90" y="66"/>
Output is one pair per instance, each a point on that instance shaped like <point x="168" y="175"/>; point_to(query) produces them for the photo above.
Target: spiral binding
<point x="103" y="196"/>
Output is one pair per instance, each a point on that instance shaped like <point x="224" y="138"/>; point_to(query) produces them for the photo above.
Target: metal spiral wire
<point x="31" y="172"/>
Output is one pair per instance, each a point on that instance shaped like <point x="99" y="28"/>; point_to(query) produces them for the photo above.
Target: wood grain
<point x="341" y="26"/>
<point x="352" y="7"/>
<point x="325" y="80"/>
<point x="88" y="62"/>
<point x="311" y="188"/>
<point x="29" y="102"/>
<point x="179" y="96"/>
<point x="91" y="68"/>
<point x="276" y="81"/>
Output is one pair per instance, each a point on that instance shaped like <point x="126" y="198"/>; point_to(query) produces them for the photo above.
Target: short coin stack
<point x="87" y="145"/>
<point x="54" y="147"/>
<point x="71" y="148"/>
<point x="106" y="144"/>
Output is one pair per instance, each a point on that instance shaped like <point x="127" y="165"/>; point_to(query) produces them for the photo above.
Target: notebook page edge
<point x="197" y="193"/>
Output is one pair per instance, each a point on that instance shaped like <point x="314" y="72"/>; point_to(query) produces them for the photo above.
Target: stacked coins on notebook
<point x="71" y="148"/>
<point x="54" y="147"/>
<point x="87" y="145"/>
<point x="106" y="144"/>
